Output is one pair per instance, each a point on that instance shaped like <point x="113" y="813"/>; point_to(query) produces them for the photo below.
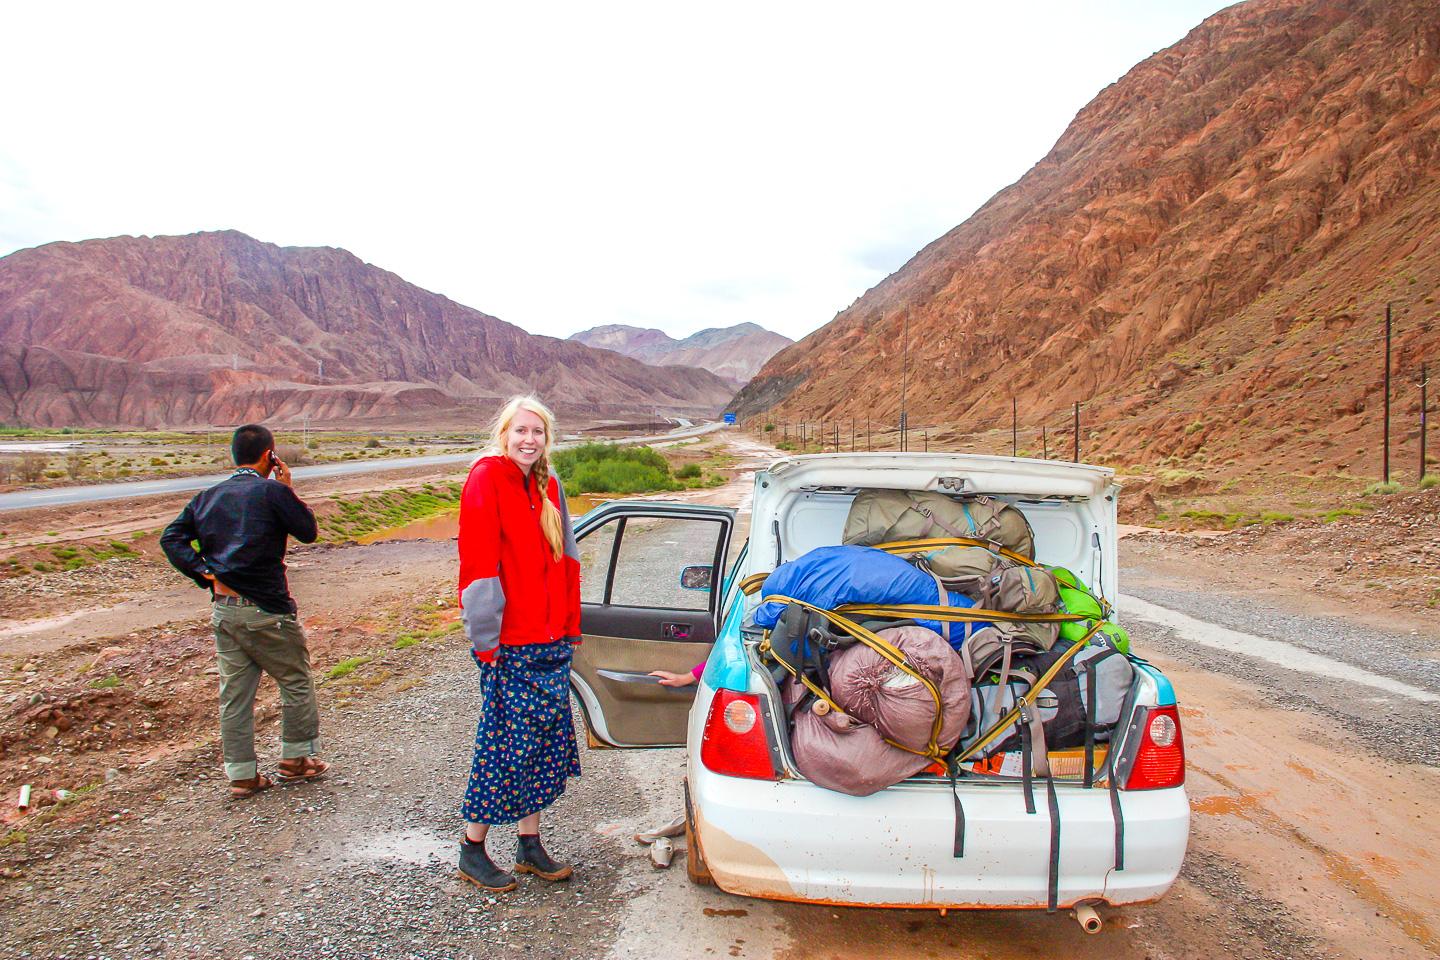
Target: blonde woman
<point x="520" y="604"/>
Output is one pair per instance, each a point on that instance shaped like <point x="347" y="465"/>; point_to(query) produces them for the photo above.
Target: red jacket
<point x="512" y="589"/>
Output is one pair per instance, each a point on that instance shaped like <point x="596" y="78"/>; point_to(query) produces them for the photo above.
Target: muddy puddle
<point x="446" y="526"/>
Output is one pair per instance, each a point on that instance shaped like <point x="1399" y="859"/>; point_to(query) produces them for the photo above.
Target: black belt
<point x="227" y="601"/>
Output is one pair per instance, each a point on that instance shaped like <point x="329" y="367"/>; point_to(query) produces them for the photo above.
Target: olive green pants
<point x="248" y="642"/>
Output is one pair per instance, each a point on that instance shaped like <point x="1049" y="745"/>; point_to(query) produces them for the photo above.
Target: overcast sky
<point x="675" y="165"/>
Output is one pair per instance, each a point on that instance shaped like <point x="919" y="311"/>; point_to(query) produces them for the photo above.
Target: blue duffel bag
<point x="830" y="576"/>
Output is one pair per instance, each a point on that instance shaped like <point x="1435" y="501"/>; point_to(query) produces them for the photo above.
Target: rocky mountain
<point x="219" y="328"/>
<point x="735" y="353"/>
<point x="1203" y="260"/>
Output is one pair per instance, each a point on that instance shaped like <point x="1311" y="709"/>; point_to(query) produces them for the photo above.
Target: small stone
<point x="112" y="775"/>
<point x="50" y="733"/>
<point x="256" y="914"/>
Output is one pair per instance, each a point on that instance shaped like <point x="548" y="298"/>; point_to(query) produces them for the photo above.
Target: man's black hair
<point x="250" y="443"/>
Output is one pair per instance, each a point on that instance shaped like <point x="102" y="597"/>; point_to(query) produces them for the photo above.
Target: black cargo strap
<point x="959" y="810"/>
<point x="1116" y="814"/>
<point x="1054" y="880"/>
<point x="1090" y="685"/>
<point x="1026" y="773"/>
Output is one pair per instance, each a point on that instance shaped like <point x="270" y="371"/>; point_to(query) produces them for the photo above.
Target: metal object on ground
<point x="661" y="853"/>
<point x="23" y="804"/>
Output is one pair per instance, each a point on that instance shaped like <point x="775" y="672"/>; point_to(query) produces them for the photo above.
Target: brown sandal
<point x="240" y="789"/>
<point x="307" y="768"/>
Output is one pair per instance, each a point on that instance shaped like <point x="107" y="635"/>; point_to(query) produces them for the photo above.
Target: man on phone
<point x="231" y="541"/>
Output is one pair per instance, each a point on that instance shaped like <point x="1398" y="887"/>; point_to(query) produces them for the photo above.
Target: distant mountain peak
<point x="734" y="353"/>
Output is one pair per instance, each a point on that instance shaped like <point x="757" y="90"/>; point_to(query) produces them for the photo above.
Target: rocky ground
<point x="1309" y="791"/>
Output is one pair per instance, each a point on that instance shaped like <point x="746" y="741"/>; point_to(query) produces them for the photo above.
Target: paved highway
<point x="66" y="496"/>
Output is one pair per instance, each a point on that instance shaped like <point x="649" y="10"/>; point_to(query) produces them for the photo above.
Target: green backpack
<point x="1075" y="597"/>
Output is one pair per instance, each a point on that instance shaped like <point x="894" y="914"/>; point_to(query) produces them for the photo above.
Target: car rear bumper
<point x="792" y="840"/>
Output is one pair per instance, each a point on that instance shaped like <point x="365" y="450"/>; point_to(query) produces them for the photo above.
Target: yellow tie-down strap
<point x="897" y="657"/>
<point x="888" y="651"/>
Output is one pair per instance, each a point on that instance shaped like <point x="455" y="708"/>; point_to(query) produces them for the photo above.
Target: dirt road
<point x="1311" y="836"/>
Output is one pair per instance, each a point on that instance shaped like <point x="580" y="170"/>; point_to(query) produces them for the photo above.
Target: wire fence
<point x="1399" y="427"/>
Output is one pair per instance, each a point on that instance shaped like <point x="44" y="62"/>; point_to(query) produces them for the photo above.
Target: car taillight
<point x="735" y="742"/>
<point x="1160" y="761"/>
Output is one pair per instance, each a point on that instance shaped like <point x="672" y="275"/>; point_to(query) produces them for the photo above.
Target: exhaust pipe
<point x="1088" y="918"/>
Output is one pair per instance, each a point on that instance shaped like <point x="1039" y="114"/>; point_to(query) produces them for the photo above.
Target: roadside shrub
<point x="769" y="428"/>
<point x="1384" y="489"/>
<point x="31" y="467"/>
<point x="688" y="472"/>
<point x="7" y="469"/>
<point x="372" y="443"/>
<point x="75" y="465"/>
<point x="603" y="468"/>
<point x="293" y="454"/>
<point x="1428" y="481"/>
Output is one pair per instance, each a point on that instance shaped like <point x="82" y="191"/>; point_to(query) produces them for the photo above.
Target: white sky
<point x="674" y="165"/>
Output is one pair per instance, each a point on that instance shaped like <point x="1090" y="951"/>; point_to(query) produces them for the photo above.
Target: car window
<point x="654" y="551"/>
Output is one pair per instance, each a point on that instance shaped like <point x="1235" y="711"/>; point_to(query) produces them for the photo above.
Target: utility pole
<point x="904" y="381"/>
<point x="1077" y="431"/>
<point x="1386" y="456"/>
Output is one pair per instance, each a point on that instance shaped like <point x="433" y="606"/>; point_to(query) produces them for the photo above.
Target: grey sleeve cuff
<point x="572" y="549"/>
<point x="482" y="606"/>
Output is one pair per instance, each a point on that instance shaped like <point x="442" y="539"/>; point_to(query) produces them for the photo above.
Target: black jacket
<point x="240" y="525"/>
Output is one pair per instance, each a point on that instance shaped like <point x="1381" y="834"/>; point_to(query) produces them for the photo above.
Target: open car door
<point x="650" y="578"/>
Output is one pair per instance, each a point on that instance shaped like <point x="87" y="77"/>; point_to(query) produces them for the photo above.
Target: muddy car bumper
<point x="793" y="841"/>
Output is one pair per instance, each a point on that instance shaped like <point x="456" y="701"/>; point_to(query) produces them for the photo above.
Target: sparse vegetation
<point x="1382" y="489"/>
<point x="390" y="508"/>
<point x="1429" y="480"/>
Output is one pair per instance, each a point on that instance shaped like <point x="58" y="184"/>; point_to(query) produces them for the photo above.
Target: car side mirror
<point x="697" y="577"/>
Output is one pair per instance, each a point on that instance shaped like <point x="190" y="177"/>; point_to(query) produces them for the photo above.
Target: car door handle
<point x="676" y="631"/>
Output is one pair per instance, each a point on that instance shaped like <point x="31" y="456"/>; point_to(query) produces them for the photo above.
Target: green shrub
<point x="688" y="472"/>
<point x="1330" y="516"/>
<point x="406" y="640"/>
<point x="345" y="667"/>
<point x="769" y="428"/>
<point x="109" y="683"/>
<point x="604" y="468"/>
<point x="1428" y="481"/>
<point x="1384" y="489"/>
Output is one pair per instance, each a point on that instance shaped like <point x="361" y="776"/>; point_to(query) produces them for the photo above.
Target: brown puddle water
<point x="446" y="526"/>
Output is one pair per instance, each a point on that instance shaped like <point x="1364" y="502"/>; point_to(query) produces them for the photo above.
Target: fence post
<point x="1044" y="443"/>
<point x="1385" y="469"/>
<point x="1077" y="432"/>
<point x="1424" y="379"/>
<point x="927" y="441"/>
<point x="1014" y="426"/>
<point x="852" y="434"/>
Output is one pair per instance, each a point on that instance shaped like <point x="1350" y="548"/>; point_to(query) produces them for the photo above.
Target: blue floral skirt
<point x="525" y="744"/>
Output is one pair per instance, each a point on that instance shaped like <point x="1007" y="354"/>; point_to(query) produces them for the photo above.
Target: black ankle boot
<point x="530" y="857"/>
<point x="477" y="867"/>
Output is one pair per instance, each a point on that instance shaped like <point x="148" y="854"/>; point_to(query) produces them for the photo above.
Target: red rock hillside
<point x="1203" y="259"/>
<point x="219" y="328"/>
